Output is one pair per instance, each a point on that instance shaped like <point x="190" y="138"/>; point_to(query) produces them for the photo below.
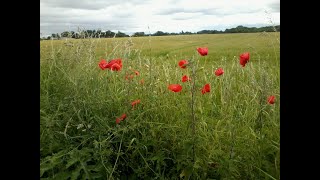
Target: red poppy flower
<point x="271" y="99"/>
<point x="102" y="64"/>
<point x="137" y="73"/>
<point x="175" y="87"/>
<point x="118" y="120"/>
<point x="183" y="64"/>
<point x="135" y="103"/>
<point x="115" y="67"/>
<point x="219" y="72"/>
<point x="110" y="63"/>
<point x="203" y="51"/>
<point x="185" y="78"/>
<point x="206" y="88"/>
<point x="123" y="117"/>
<point x="129" y="77"/>
<point x="244" y="58"/>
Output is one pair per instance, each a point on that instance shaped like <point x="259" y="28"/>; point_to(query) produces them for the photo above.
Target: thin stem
<point x="118" y="154"/>
<point x="193" y="116"/>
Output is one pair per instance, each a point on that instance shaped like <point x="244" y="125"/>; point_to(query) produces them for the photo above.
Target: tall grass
<point x="237" y="131"/>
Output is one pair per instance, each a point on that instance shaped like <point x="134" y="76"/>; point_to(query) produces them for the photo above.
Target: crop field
<point x="150" y="115"/>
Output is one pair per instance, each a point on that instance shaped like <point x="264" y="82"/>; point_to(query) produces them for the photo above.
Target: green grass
<point x="237" y="132"/>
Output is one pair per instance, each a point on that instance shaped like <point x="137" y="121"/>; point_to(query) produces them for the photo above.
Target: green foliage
<point x="237" y="132"/>
<point x="242" y="29"/>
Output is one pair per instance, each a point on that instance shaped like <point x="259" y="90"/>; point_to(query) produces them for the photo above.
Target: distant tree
<point x="88" y="33"/>
<point x="121" y="34"/>
<point x="109" y="34"/>
<point x="242" y="29"/>
<point x="174" y="34"/>
<point x="75" y="35"/>
<point x="98" y="33"/>
<point x="138" y="34"/>
<point x="187" y="32"/>
<point x="209" y="32"/>
<point x="65" y="34"/>
<point x="103" y="34"/>
<point x="160" y="33"/>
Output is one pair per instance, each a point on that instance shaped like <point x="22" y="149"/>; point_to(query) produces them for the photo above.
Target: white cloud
<point x="165" y="15"/>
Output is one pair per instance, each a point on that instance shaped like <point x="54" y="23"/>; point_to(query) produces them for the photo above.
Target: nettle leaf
<point x="76" y="173"/>
<point x="51" y="162"/>
<point x="96" y="176"/>
<point x="186" y="173"/>
<point x="71" y="162"/>
<point x="62" y="175"/>
<point x="45" y="167"/>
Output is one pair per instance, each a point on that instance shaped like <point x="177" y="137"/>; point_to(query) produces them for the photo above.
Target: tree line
<point x="109" y="34"/>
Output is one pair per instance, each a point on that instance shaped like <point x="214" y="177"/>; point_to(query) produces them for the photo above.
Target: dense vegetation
<point x="230" y="132"/>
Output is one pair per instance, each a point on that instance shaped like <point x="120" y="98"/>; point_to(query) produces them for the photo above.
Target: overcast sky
<point x="131" y="16"/>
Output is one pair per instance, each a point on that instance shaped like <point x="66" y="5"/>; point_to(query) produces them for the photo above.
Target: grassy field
<point x="231" y="132"/>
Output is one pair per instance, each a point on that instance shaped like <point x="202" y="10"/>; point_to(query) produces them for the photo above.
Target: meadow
<point x="231" y="132"/>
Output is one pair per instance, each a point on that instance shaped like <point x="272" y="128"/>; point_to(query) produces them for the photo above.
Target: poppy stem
<point x="150" y="75"/>
<point x="232" y="142"/>
<point x="118" y="154"/>
<point x="193" y="116"/>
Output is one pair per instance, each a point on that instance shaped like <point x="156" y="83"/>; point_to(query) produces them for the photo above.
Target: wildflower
<point x="185" y="78"/>
<point x="271" y="99"/>
<point x="112" y="63"/>
<point x="135" y="103"/>
<point x="118" y="120"/>
<point x="203" y="51"/>
<point x="115" y="67"/>
<point x="129" y="77"/>
<point x="175" y="87"/>
<point x="102" y="64"/>
<point x="244" y="58"/>
<point x="219" y="72"/>
<point x="183" y="64"/>
<point x="137" y="73"/>
<point x="206" y="88"/>
<point x="123" y="117"/>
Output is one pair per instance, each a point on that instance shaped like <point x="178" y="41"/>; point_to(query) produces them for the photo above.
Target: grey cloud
<point x="186" y="16"/>
<point x="169" y="11"/>
<point x="88" y="5"/>
<point x="175" y="10"/>
<point x="65" y="17"/>
<point x="181" y="18"/>
<point x="230" y="11"/>
<point x="275" y="6"/>
<point x="58" y="24"/>
<point x="57" y="16"/>
<point x="207" y="11"/>
<point x="77" y="4"/>
<point x="52" y="26"/>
